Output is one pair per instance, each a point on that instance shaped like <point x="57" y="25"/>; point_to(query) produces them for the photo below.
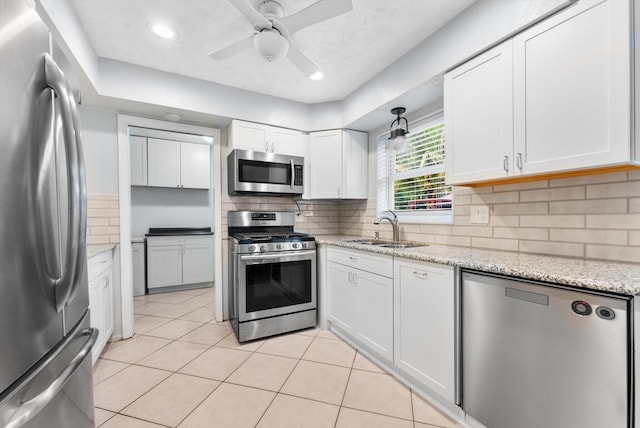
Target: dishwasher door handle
<point x="527" y="296"/>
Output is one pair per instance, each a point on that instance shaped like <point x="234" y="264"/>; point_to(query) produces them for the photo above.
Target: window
<point x="413" y="184"/>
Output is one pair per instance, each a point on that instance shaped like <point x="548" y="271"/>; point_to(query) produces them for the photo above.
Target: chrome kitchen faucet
<point x="394" y="224"/>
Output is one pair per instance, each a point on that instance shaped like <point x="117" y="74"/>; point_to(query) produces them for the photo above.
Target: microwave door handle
<point x="293" y="173"/>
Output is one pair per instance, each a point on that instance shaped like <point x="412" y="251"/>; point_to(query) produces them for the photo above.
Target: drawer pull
<point x="421" y="275"/>
<point x="353" y="259"/>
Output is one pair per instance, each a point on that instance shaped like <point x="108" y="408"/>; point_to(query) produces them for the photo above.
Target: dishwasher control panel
<point x="583" y="308"/>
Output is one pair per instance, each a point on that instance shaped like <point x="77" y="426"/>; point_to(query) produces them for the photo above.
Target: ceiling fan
<point x="273" y="31"/>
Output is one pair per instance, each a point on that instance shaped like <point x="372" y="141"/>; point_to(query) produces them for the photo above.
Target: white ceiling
<point x="349" y="49"/>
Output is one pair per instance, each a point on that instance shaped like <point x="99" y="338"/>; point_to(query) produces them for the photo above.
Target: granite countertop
<point x="95" y="249"/>
<point x="616" y="277"/>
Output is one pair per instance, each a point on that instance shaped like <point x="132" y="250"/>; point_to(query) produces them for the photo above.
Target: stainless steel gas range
<point x="272" y="273"/>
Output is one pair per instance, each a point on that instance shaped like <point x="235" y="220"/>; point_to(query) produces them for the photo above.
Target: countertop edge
<point x="95" y="249"/>
<point x="600" y="275"/>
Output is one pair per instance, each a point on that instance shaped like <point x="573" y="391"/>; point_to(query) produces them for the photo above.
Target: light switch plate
<point x="479" y="214"/>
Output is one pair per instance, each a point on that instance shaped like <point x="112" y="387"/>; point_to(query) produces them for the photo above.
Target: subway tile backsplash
<point x="596" y="216"/>
<point x="103" y="219"/>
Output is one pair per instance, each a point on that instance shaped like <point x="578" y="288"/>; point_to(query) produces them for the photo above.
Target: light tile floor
<point x="182" y="369"/>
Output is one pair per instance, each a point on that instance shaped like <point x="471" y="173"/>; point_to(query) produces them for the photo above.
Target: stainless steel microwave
<point x="253" y="173"/>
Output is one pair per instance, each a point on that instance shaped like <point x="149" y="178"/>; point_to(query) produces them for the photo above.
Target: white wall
<point x="100" y="143"/>
<point x="159" y="207"/>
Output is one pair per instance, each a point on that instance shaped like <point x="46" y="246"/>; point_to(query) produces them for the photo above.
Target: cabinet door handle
<point x="273" y="147"/>
<point x="355" y="278"/>
<point x="350" y="276"/>
<point x="519" y="160"/>
<point x="266" y="146"/>
<point x="505" y="163"/>
<point x="338" y="191"/>
<point x="421" y="275"/>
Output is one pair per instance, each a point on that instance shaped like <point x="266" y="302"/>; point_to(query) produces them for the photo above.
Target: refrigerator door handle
<point x="65" y="285"/>
<point x="31" y="408"/>
<point x="82" y="200"/>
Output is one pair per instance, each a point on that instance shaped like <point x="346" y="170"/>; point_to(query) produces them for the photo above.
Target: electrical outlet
<point x="479" y="214"/>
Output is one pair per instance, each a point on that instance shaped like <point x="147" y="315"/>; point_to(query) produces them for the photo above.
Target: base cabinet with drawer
<point x="424" y="324"/>
<point x="101" y="299"/>
<point x="360" y="298"/>
<point x="179" y="260"/>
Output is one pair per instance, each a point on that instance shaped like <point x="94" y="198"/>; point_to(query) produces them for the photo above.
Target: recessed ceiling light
<point x="317" y="75"/>
<point x="164" y="31"/>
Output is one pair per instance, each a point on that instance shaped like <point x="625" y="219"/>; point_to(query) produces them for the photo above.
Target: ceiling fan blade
<point x="258" y="21"/>
<point x="301" y="61"/>
<point x="233" y="49"/>
<point x="317" y="12"/>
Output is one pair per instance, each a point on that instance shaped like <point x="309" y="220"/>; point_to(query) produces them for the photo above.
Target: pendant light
<point x="399" y="143"/>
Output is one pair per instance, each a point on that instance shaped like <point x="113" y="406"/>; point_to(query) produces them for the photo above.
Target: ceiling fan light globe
<point x="317" y="75"/>
<point x="271" y="45"/>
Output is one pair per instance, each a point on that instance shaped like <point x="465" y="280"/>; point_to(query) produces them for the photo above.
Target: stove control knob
<point x="279" y="246"/>
<point x="295" y="245"/>
<point x="305" y="245"/>
<point x="252" y="248"/>
<point x="263" y="248"/>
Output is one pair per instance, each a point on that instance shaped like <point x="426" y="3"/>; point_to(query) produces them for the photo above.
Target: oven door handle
<point x="283" y="257"/>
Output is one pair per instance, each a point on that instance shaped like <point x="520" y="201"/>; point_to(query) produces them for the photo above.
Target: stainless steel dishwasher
<point x="544" y="356"/>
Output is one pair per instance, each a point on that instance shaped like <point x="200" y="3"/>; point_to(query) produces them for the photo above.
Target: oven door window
<point x="264" y="172"/>
<point x="277" y="285"/>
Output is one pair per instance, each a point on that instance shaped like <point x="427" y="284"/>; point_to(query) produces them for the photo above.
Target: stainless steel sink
<point x="400" y="245"/>
<point x="385" y="244"/>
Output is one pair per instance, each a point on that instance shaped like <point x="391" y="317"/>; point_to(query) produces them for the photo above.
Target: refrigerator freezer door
<point x="31" y="324"/>
<point x="535" y="356"/>
<point x="58" y="392"/>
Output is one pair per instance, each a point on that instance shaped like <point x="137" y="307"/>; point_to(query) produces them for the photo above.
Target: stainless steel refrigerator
<point x="45" y="338"/>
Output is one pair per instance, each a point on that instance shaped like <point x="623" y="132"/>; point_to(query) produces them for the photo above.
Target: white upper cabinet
<point x="355" y="149"/>
<point x="572" y="87"/>
<point x="195" y="161"/>
<point x="338" y="165"/>
<point x="325" y="165"/>
<point x="478" y="114"/>
<point x="164" y="163"/>
<point x="178" y="164"/>
<point x="265" y="138"/>
<point x="556" y="97"/>
<point x="138" y="150"/>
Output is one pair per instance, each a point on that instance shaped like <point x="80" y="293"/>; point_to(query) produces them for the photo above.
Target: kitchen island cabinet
<point x="555" y="98"/>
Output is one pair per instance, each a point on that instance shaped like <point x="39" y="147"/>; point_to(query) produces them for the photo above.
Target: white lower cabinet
<point x="400" y="311"/>
<point x="360" y="296"/>
<point x="100" y="275"/>
<point x="179" y="260"/>
<point x="424" y="324"/>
